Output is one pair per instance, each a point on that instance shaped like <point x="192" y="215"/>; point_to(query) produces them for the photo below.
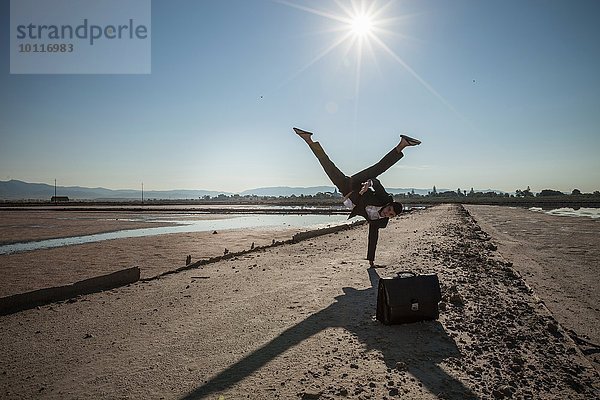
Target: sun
<point x="361" y="25"/>
<point x="358" y="23"/>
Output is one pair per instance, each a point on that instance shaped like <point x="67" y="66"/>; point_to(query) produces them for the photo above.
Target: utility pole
<point x="55" y="190"/>
<point x="142" y="192"/>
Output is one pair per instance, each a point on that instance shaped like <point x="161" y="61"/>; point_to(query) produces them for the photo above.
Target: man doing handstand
<point x="363" y="193"/>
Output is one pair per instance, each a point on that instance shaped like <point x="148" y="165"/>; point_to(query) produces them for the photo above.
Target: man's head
<point x="390" y="210"/>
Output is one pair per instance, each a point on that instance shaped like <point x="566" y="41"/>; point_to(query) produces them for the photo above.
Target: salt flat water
<point x="232" y="221"/>
<point x="570" y="212"/>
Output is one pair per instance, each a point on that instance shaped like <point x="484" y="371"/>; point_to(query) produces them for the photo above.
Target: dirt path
<point x="559" y="257"/>
<point x="296" y="321"/>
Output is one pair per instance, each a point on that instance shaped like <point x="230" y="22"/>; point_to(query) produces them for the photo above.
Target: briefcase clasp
<point x="414" y="306"/>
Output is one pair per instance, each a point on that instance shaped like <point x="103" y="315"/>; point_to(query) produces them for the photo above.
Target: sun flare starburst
<point x="361" y="25"/>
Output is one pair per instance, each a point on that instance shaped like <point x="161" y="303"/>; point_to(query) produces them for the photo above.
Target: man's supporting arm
<point x="373" y="237"/>
<point x="374" y="227"/>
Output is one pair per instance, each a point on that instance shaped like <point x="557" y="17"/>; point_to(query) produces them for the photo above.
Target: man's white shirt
<point x="372" y="211"/>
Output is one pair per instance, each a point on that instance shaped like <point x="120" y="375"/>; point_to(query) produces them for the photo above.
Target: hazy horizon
<point x="503" y="94"/>
<point x="330" y="186"/>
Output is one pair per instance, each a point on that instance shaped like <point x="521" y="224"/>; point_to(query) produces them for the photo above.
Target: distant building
<point x="59" y="199"/>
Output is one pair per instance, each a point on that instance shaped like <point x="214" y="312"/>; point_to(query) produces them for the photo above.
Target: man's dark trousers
<point x="350" y="186"/>
<point x="347" y="184"/>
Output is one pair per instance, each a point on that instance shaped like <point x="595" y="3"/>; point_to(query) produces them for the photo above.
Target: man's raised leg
<point x="339" y="179"/>
<point x="385" y="163"/>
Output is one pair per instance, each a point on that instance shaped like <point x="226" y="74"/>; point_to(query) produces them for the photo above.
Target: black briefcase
<point x="408" y="297"/>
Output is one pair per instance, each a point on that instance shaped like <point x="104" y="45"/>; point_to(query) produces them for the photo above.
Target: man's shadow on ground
<point x="420" y="346"/>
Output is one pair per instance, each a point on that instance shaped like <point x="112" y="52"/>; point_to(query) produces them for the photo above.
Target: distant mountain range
<point x="19" y="190"/>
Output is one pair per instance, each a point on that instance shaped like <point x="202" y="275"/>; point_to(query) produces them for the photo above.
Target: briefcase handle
<point x="405" y="273"/>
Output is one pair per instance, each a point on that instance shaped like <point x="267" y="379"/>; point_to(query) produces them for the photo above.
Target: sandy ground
<point x="296" y="321"/>
<point x="154" y="255"/>
<point x="559" y="257"/>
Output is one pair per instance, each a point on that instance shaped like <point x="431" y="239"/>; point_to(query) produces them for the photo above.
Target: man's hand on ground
<point x="373" y="265"/>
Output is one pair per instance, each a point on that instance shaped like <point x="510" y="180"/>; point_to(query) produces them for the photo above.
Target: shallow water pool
<point x="261" y="221"/>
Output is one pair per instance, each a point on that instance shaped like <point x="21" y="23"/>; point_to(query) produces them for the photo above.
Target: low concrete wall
<point x="324" y="231"/>
<point x="24" y="301"/>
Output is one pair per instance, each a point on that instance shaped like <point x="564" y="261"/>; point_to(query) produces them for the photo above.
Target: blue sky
<point x="503" y="94"/>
